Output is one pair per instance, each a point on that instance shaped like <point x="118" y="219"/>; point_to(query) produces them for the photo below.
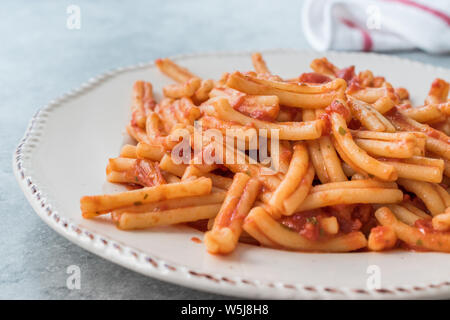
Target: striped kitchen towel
<point x="377" y="25"/>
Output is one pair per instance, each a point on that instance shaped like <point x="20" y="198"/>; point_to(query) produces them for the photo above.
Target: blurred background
<point x="49" y="47"/>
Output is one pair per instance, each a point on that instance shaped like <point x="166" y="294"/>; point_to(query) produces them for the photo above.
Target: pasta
<point x="329" y="161"/>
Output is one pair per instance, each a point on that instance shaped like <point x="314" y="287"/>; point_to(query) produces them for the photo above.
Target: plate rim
<point x="155" y="267"/>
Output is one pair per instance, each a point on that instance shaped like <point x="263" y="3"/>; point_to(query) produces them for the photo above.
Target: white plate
<point x="66" y="147"/>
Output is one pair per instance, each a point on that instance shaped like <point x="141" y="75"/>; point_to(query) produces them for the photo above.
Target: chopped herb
<point x="312" y="220"/>
<point x="321" y="232"/>
<point x="136" y="179"/>
<point x="342" y="131"/>
<point x="145" y="196"/>
<point x="419" y="242"/>
<point x="137" y="203"/>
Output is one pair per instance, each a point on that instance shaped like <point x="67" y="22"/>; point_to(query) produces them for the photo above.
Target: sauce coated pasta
<point x="330" y="161"/>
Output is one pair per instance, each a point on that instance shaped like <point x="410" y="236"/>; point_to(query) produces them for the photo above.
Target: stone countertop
<point x="40" y="58"/>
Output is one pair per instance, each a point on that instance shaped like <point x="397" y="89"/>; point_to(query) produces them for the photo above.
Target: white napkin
<point x="377" y="25"/>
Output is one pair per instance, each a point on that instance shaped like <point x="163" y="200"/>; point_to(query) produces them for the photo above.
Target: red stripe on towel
<point x="367" y="39"/>
<point x="437" y="13"/>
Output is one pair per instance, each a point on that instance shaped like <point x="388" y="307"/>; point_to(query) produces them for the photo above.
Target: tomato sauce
<point x="354" y="85"/>
<point x="350" y="218"/>
<point x="132" y="186"/>
<point x="437" y="84"/>
<point x="425" y="226"/>
<point x="146" y="173"/>
<point x="305" y="223"/>
<point x="380" y="235"/>
<point x="260" y="115"/>
<point x="327" y="123"/>
<point x="378" y="81"/>
<point x="346" y="73"/>
<point x="133" y="121"/>
<point x="410" y="247"/>
<point x="200" y="225"/>
<point x="400" y="120"/>
<point x="314" y="77"/>
<point x="235" y="97"/>
<point x="345" y="217"/>
<point x="354" y="124"/>
<point x="196" y="240"/>
<point x="335" y="107"/>
<point x="404" y="106"/>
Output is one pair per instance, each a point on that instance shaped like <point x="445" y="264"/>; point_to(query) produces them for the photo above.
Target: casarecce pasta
<point x="329" y="161"/>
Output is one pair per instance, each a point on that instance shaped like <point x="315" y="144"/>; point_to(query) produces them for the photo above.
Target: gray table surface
<point x="40" y="59"/>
